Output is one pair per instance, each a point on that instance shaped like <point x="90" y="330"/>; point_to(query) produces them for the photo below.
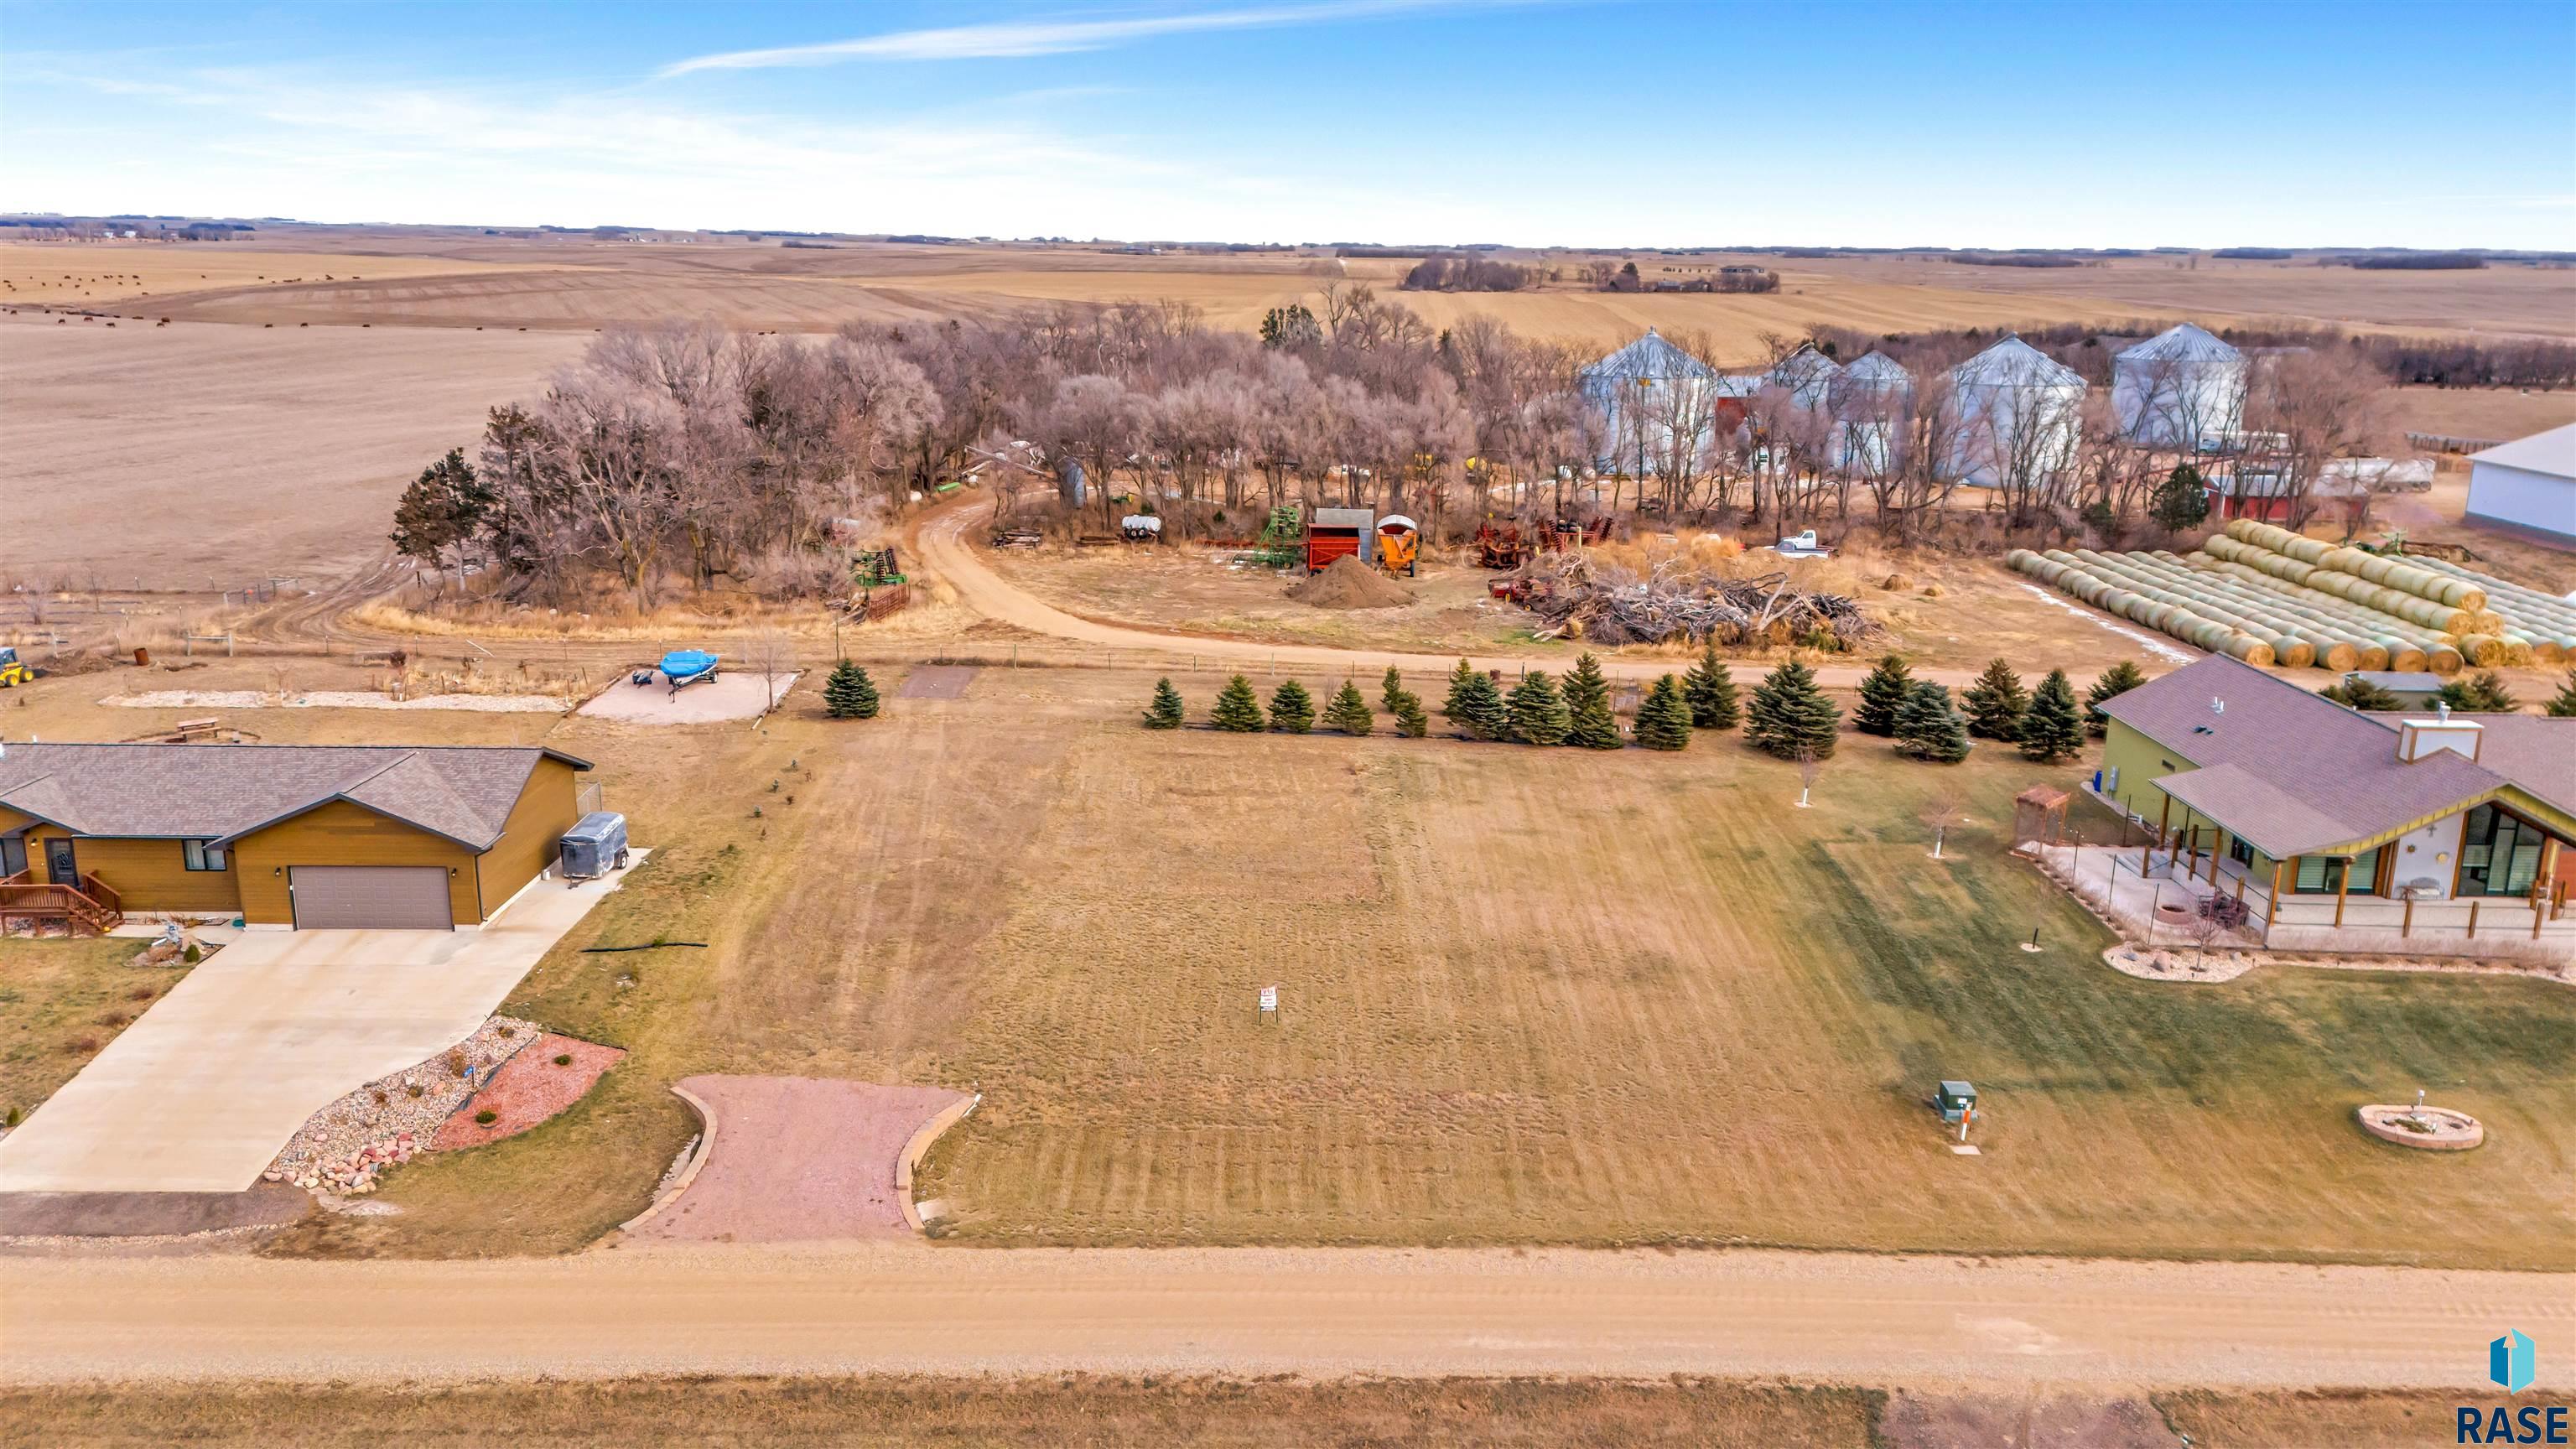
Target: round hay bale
<point x="1933" y="591"/>
<point x="2341" y="658"/>
<point x="2293" y="652"/>
<point x="2483" y="650"/>
<point x="2369" y="656"/>
<point x="1897" y="583"/>
<point x="2405" y="657"/>
<point x="2442" y="659"/>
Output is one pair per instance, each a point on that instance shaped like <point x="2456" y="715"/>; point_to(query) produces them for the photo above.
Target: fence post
<point x="2473" y="917"/>
<point x="2406" y="924"/>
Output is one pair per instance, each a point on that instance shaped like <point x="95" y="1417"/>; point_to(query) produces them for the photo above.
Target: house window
<point x="2323" y="874"/>
<point x="2240" y="851"/>
<point x="2499" y="853"/>
<point x="203" y="855"/>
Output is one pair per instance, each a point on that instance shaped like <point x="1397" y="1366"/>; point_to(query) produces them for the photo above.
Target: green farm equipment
<point x="876" y="569"/>
<point x="1283" y="539"/>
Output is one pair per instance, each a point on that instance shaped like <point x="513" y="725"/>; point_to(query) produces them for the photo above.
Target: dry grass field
<point x="1982" y="610"/>
<point x="461" y="277"/>
<point x="99" y="274"/>
<point x="2479" y="412"/>
<point x="199" y="457"/>
<point x="1528" y="997"/>
<point x="1086" y="1412"/>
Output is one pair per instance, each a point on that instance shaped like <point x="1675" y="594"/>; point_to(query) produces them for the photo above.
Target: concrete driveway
<point x="199" y="1095"/>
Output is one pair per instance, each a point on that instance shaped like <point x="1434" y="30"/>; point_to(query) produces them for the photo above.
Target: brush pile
<point x="1584" y="596"/>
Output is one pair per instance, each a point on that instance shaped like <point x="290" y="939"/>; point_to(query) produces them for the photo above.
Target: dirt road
<point x="915" y="1308"/>
<point x="941" y="540"/>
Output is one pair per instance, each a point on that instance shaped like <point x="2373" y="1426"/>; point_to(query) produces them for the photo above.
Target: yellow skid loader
<point x="13" y="670"/>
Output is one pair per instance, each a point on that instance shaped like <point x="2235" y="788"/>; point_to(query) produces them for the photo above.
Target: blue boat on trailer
<point x="684" y="667"/>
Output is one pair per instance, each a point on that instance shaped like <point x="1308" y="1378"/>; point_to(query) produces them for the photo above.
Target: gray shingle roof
<point x="216" y="792"/>
<point x="2297" y="774"/>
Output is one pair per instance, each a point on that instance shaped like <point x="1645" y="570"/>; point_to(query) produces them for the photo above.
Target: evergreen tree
<point x="1292" y="709"/>
<point x="1410" y="721"/>
<point x="1238" y="709"/>
<point x="1663" y="719"/>
<point x="1538" y="713"/>
<point x="1710" y="692"/>
<point x="2117" y="680"/>
<point x="1349" y="712"/>
<point x="2358" y="693"/>
<point x="849" y="693"/>
<point x="2562" y="705"/>
<point x="1477" y="707"/>
<point x="1165" y="713"/>
<point x="1928" y="728"/>
<point x="1405" y="705"/>
<point x="2181" y="501"/>
<point x="1882" y="694"/>
<point x="1789" y="713"/>
<point x="2053" y="729"/>
<point x="2480" y="693"/>
<point x="1590" y="722"/>
<point x="1996" y="703"/>
<point x="1458" y="708"/>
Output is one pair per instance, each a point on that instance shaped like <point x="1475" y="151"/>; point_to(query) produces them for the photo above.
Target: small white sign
<point x="1270" y="998"/>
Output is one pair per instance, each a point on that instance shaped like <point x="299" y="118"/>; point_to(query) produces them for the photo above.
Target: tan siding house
<point x="355" y="835"/>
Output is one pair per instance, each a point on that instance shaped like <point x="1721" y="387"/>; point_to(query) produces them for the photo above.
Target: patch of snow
<point x="2152" y="644"/>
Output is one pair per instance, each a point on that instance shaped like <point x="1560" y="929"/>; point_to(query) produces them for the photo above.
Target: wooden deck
<point x="92" y="907"/>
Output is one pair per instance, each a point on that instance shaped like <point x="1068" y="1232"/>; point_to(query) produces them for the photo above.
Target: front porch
<point x="92" y="907"/>
<point x="2157" y="898"/>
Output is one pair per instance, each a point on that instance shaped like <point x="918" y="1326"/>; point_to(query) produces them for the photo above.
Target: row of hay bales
<point x="2268" y="596"/>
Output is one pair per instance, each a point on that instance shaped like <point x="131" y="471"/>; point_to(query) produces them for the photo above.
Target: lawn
<point x="61" y="1003"/>
<point x="1526" y="996"/>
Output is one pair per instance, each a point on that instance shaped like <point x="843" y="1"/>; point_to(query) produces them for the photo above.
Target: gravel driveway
<point x="798" y="1159"/>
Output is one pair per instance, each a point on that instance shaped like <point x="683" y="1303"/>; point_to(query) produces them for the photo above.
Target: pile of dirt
<point x="1347" y="583"/>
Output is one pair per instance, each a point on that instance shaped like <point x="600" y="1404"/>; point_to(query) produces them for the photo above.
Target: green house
<point x="2249" y="776"/>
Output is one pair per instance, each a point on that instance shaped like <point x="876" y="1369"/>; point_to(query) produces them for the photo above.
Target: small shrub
<point x="457" y="1063"/>
<point x="10" y="1118"/>
<point x="80" y="1046"/>
<point x="194" y="954"/>
<point x="141" y="993"/>
<point x="113" y="1018"/>
<point x="379" y="1096"/>
<point x="413" y="1089"/>
<point x="486" y="1117"/>
<point x="563" y="1059"/>
<point x="505" y="1032"/>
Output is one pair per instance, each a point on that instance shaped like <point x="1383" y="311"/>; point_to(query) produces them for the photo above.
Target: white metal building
<point x="2019" y="415"/>
<point x="1870" y="400"/>
<point x="2528" y="484"/>
<point x="2182" y="388"/>
<point x="1655" y="402"/>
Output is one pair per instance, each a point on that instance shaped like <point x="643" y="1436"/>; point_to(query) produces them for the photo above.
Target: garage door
<point x="370" y="897"/>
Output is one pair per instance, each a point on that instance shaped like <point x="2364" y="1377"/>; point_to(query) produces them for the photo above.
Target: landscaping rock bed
<point x="2431" y="1129"/>
<point x="343" y="1147"/>
<point x="527" y="1090"/>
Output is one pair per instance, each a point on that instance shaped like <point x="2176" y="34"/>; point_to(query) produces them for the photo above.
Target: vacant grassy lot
<point x="61" y="1003"/>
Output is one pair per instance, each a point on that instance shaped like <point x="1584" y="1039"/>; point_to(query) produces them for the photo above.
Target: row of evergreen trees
<point x="2046" y="722"/>
<point x="1536" y="711"/>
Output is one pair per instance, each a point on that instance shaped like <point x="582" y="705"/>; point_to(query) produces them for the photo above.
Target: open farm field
<point x="198" y="457"/>
<point x="98" y="274"/>
<point x="1527" y="997"/>
<point x="2504" y="298"/>
<point x="2479" y="412"/>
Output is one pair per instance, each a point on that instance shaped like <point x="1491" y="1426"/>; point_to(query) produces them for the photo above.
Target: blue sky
<point x="1580" y="123"/>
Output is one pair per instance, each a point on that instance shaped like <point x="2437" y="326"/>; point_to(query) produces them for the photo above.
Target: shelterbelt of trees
<point x="686" y="456"/>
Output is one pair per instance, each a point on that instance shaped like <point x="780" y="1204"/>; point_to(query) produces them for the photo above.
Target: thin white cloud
<point x="1002" y="39"/>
